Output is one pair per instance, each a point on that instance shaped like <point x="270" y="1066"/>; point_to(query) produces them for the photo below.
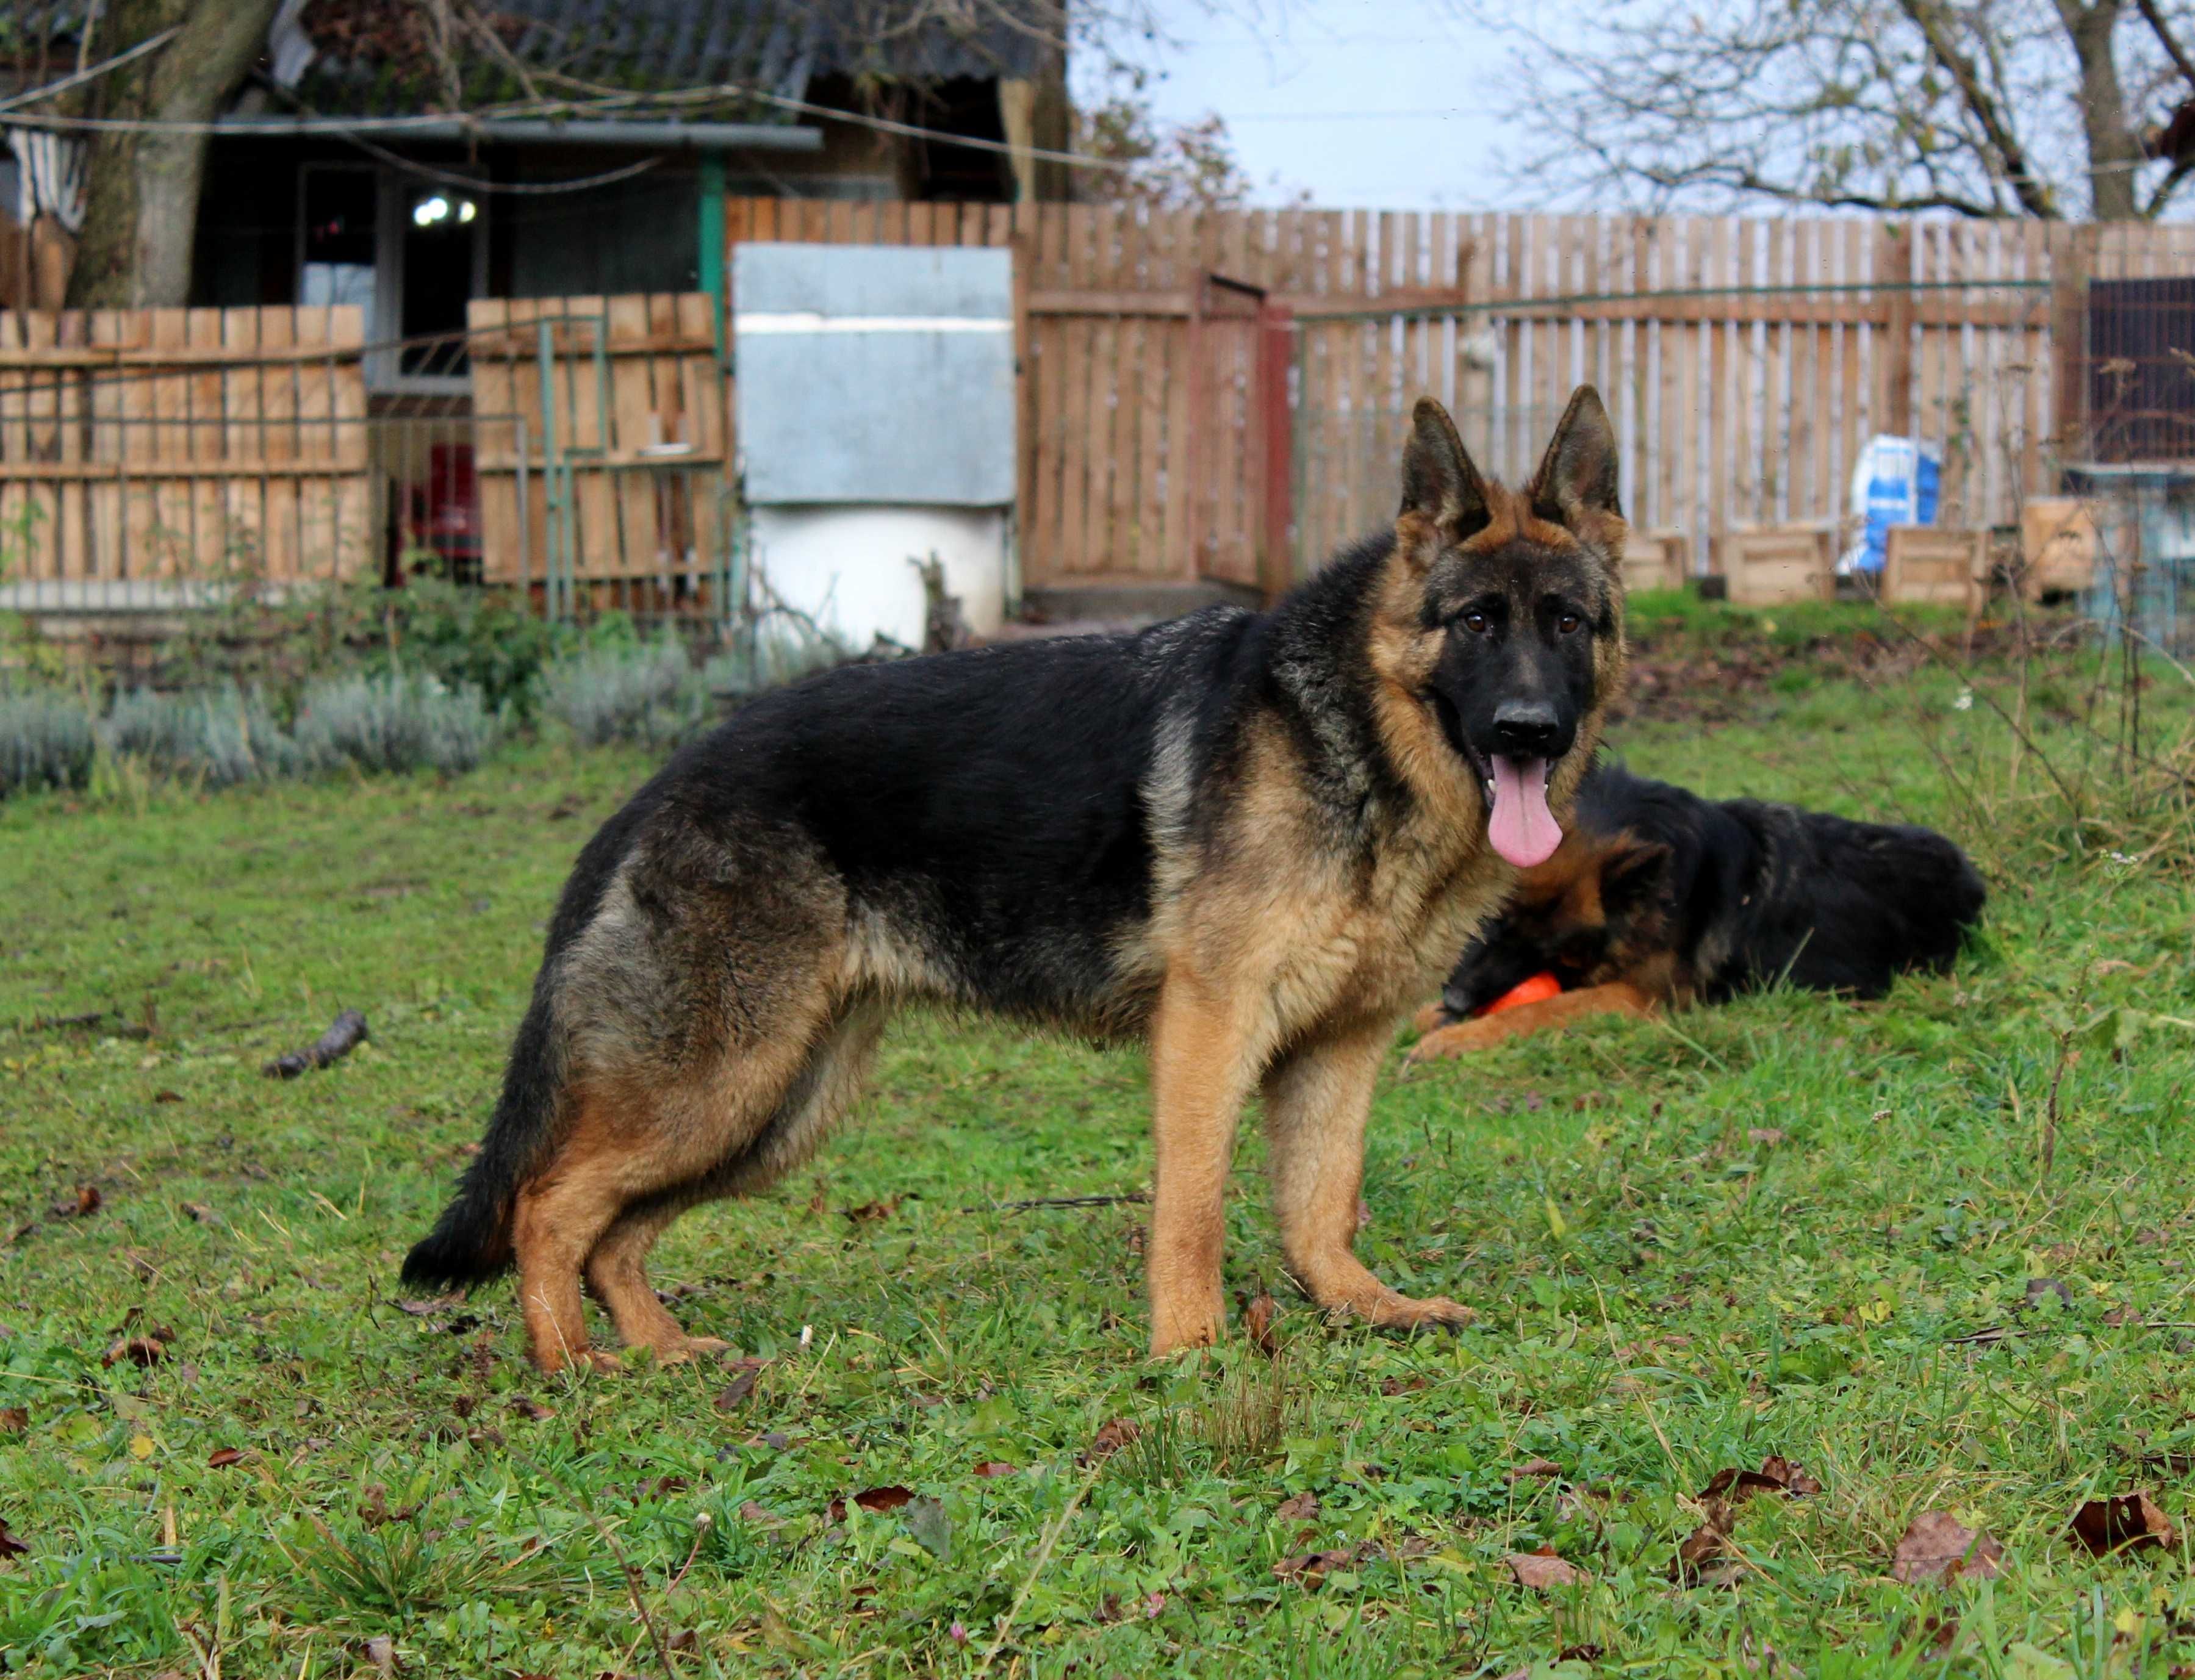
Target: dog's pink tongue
<point x="1521" y="828"/>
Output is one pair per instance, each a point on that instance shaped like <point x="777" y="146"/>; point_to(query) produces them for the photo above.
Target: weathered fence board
<point x="143" y="449"/>
<point x="633" y="442"/>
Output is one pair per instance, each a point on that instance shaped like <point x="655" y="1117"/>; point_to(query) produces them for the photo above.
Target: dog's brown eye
<point x="1568" y="623"/>
<point x="1475" y="623"/>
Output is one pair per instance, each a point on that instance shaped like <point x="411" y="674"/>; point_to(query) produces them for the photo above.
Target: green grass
<point x="1763" y="1230"/>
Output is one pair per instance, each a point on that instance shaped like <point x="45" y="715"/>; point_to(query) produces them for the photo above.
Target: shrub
<point x="46" y="741"/>
<point x="466" y="636"/>
<point x="220" y="736"/>
<point x="394" y="722"/>
<point x="784" y="648"/>
<point x="649" y="693"/>
<point x="280" y="641"/>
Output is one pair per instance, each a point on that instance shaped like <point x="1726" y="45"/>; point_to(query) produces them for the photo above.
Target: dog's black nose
<point x="1527" y="729"/>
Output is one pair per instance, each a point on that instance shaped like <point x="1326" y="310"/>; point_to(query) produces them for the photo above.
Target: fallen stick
<point x="346" y="1035"/>
<point x="67" y="1023"/>
<point x="1059" y="1201"/>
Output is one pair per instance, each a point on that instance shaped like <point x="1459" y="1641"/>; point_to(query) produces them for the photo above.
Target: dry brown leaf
<point x="82" y="1205"/>
<point x="873" y="1499"/>
<point x="995" y="1467"/>
<point x="15" y="1419"/>
<point x="137" y="1349"/>
<point x="1542" y="1571"/>
<point x="1110" y="1438"/>
<point x="381" y="1652"/>
<point x="1298" y="1508"/>
<point x="532" y="1410"/>
<point x="1938" y="1545"/>
<point x="1794" y="1476"/>
<point x="1736" y="1487"/>
<point x="1257" y="1320"/>
<point x="1543" y="1469"/>
<point x="222" y="1456"/>
<point x="1311" y="1568"/>
<point x="735" y="1392"/>
<point x="868" y="1212"/>
<point x="167" y="1096"/>
<point x="9" y="1546"/>
<point x="2123" y="1522"/>
<point x="1767" y="1137"/>
<point x="1703" y="1555"/>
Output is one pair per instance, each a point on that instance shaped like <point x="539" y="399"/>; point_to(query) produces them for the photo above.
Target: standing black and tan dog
<point x="1658" y="899"/>
<point x="1254" y="839"/>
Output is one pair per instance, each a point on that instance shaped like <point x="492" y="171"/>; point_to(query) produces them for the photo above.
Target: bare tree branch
<point x="1936" y="29"/>
<point x="1982" y="108"/>
<point x="2165" y="39"/>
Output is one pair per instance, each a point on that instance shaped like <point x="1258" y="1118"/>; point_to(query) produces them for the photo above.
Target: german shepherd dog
<point x="1251" y="840"/>
<point x="1658" y="899"/>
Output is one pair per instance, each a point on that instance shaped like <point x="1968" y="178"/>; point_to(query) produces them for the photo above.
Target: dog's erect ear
<point x="1439" y="483"/>
<point x="1575" y="485"/>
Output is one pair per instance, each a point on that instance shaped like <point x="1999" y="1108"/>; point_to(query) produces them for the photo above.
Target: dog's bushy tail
<point x="470" y="1243"/>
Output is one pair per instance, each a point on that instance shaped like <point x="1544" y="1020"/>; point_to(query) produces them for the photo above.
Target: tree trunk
<point x="2114" y="152"/>
<point x="141" y="201"/>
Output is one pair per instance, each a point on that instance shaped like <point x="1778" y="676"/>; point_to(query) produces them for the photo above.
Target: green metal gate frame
<point x="727" y="576"/>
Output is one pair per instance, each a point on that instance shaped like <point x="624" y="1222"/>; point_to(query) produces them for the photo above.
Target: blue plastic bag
<point x="1894" y="481"/>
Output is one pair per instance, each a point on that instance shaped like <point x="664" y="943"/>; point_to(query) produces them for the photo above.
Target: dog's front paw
<point x="1460" y="1038"/>
<point x="1403" y="1312"/>
<point x="1433" y="1017"/>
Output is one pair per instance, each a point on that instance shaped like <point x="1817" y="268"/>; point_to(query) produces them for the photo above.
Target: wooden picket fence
<point x="1746" y="361"/>
<point x="606" y="466"/>
<point x="1217" y="397"/>
<point x="142" y="452"/>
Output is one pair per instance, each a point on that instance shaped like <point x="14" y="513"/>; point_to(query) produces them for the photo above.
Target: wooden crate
<point x="1655" y="560"/>
<point x="2058" y="545"/>
<point x="1934" y="564"/>
<point x="1774" y="565"/>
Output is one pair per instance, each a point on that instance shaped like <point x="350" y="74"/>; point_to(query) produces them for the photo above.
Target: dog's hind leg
<point x="559" y="1216"/>
<point x="616" y="1275"/>
<point x="815" y="1102"/>
<point x="1317" y="1100"/>
<point x="824" y="1088"/>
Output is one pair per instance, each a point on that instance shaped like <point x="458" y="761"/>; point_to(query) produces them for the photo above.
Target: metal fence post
<point x="553" y="577"/>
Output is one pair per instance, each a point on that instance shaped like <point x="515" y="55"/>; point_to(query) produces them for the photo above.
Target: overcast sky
<point x="1364" y="103"/>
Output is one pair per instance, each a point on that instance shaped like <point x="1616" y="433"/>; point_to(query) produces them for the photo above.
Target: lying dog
<point x="1658" y="899"/>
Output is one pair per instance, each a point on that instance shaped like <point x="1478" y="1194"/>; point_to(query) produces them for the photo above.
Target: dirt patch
<point x="1680" y="677"/>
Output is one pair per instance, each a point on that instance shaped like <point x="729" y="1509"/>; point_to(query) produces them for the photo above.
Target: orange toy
<point x="1538" y="989"/>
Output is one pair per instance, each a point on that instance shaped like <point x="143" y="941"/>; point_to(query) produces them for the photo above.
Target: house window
<point x="411" y="252"/>
<point x="438" y="235"/>
<point x="339" y="220"/>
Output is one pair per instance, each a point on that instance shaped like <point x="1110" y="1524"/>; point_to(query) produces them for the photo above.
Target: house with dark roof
<point x="411" y="157"/>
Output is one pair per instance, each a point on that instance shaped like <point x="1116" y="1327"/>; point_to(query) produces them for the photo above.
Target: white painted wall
<point x="847" y="567"/>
